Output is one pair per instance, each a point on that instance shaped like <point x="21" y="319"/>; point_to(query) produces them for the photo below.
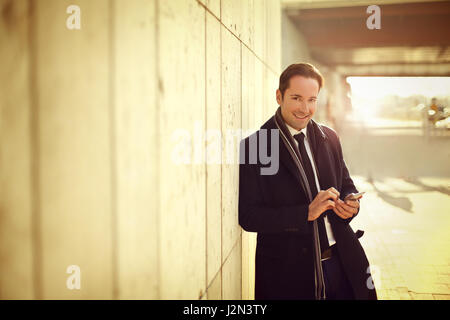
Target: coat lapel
<point x="325" y="164"/>
<point x="284" y="155"/>
<point x="318" y="141"/>
<point x="286" y="159"/>
<point x="322" y="155"/>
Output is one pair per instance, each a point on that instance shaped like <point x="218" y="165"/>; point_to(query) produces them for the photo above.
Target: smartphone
<point x="355" y="196"/>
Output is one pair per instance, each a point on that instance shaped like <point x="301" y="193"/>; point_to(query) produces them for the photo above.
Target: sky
<point x="378" y="87"/>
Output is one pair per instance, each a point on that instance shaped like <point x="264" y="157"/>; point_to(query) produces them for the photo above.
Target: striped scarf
<point x="288" y="141"/>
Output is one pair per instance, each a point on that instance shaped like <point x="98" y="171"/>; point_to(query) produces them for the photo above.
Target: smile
<point x="298" y="117"/>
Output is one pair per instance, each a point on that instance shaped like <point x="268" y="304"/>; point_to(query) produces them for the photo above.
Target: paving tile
<point x="421" y="296"/>
<point x="403" y="293"/>
<point x="441" y="296"/>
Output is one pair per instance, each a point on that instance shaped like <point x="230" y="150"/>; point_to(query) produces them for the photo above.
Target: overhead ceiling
<point x="414" y="38"/>
<point x="314" y="4"/>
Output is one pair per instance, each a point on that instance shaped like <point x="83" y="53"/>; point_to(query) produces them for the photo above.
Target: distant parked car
<point x="444" y="123"/>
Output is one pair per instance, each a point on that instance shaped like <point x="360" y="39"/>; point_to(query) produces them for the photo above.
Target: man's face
<point x="299" y="102"/>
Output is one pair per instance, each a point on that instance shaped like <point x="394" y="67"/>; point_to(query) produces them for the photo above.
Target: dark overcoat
<point x="276" y="207"/>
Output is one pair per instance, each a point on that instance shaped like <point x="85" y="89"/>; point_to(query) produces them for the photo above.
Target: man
<point x="306" y="248"/>
<point x="434" y="105"/>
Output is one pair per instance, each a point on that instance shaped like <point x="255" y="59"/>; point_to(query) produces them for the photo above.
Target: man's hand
<point x="347" y="208"/>
<point x="323" y="201"/>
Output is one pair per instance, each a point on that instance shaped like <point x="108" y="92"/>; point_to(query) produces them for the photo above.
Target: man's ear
<point x="278" y="96"/>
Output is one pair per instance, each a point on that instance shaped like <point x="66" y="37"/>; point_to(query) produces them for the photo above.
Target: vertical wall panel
<point x="273" y="35"/>
<point x="215" y="287"/>
<point x="270" y="92"/>
<point x="16" y="242"/>
<point x="136" y="148"/>
<point x="248" y="22"/>
<point x="231" y="125"/>
<point x="214" y="6"/>
<point x="260" y="27"/>
<point x="232" y="268"/>
<point x="213" y="143"/>
<point x="74" y="156"/>
<point x="256" y="120"/>
<point x="232" y="16"/>
<point x="248" y="87"/>
<point x="248" y="106"/>
<point x="238" y="16"/>
<point x="257" y="117"/>
<point x="182" y="122"/>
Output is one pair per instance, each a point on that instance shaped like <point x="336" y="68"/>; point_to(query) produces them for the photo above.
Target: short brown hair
<point x="306" y="70"/>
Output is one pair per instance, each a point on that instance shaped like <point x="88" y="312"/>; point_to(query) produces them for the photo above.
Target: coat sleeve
<point x="256" y="216"/>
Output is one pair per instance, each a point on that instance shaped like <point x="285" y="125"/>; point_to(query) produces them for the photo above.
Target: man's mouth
<point x="301" y="117"/>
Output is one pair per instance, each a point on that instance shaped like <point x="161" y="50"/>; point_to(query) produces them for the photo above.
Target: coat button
<point x="304" y="250"/>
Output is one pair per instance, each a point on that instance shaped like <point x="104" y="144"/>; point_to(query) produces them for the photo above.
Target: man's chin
<point x="301" y="123"/>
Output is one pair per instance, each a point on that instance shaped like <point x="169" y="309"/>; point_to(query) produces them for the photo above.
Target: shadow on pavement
<point x="399" y="202"/>
<point x="415" y="181"/>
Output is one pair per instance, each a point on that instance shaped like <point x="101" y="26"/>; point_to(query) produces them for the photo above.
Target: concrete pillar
<point x="135" y="115"/>
<point x="182" y="186"/>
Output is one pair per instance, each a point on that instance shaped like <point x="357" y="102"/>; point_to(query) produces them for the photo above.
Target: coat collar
<point x="316" y="136"/>
<point x="294" y="131"/>
<point x="315" y="131"/>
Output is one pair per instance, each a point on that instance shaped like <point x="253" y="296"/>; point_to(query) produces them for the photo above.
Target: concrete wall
<point x="93" y="125"/>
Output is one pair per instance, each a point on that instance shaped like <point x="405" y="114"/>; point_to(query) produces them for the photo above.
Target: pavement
<point x="405" y="212"/>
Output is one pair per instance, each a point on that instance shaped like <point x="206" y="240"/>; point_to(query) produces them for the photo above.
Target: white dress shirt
<point x="293" y="132"/>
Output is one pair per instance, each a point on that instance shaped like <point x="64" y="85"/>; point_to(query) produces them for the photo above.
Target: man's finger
<point x="329" y="204"/>
<point x="327" y="194"/>
<point x="337" y="210"/>
<point x="332" y="189"/>
<point x="348" y="208"/>
<point x="341" y="212"/>
<point x="352" y="203"/>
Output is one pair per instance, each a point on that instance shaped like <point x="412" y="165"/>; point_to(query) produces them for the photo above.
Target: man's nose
<point x="302" y="106"/>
